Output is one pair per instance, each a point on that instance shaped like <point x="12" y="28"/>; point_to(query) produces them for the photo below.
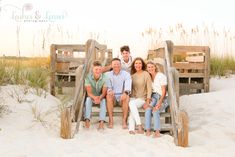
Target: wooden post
<point x="78" y="91"/>
<point x="183" y="131"/>
<point x="207" y="70"/>
<point x="53" y="64"/>
<point x="170" y="47"/>
<point x="90" y="56"/>
<point x="176" y="82"/>
<point x="65" y="129"/>
<point x="171" y="92"/>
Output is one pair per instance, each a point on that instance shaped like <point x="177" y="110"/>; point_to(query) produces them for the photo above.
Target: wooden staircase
<point x="175" y="121"/>
<point x="168" y="118"/>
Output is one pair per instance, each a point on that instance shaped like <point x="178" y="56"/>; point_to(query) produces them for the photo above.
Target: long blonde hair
<point x="155" y="65"/>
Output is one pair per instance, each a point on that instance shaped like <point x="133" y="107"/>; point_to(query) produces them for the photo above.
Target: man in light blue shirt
<point x="119" y="88"/>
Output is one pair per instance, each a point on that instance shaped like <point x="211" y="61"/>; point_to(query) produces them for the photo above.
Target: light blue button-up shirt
<point x="119" y="82"/>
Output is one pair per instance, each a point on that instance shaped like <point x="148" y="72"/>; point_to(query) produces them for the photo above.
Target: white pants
<point x="134" y="117"/>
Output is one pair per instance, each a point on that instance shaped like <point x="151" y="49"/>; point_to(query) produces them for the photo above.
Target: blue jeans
<point x="156" y="114"/>
<point x="88" y="107"/>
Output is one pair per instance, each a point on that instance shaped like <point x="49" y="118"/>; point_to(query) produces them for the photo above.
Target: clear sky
<point x="115" y="23"/>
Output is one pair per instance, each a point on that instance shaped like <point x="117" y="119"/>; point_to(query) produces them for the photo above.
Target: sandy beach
<point x="31" y="128"/>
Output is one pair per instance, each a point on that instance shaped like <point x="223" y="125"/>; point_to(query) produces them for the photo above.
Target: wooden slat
<point x="191" y="75"/>
<point x="195" y="59"/>
<point x="71" y="59"/>
<point x="166" y="127"/>
<point x="179" y="50"/>
<point x="191" y="86"/>
<point x="66" y="84"/>
<point x="119" y="114"/>
<point x="117" y="111"/>
<point x="100" y="47"/>
<point x="65" y="74"/>
<point x="53" y="69"/>
<point x="71" y="48"/>
<point x="200" y="66"/>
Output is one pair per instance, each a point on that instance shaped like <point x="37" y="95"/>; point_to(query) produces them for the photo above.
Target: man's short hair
<point x="96" y="63"/>
<point x="116" y="59"/>
<point x="125" y="48"/>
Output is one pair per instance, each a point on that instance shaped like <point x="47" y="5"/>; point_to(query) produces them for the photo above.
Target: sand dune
<point x="27" y="134"/>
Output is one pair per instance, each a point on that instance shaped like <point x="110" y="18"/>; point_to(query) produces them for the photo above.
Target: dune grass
<point x="221" y="66"/>
<point x="3" y="107"/>
<point x="25" y="71"/>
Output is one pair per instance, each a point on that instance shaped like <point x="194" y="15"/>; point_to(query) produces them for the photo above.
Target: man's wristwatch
<point x="127" y="92"/>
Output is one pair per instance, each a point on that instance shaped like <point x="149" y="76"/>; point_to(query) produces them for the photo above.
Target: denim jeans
<point x="88" y="107"/>
<point x="156" y="114"/>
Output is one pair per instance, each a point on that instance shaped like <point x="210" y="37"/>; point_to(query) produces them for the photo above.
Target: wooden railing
<point x="193" y="64"/>
<point x="179" y="118"/>
<point x="92" y="51"/>
<point x="92" y="47"/>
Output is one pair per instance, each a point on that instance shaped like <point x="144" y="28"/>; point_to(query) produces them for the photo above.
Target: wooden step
<point x="117" y="111"/>
<point x="166" y="127"/>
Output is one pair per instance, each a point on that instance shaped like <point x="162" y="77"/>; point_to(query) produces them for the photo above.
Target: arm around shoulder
<point x="128" y="81"/>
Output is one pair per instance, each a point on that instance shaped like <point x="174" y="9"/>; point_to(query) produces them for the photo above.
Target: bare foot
<point x="110" y="125"/>
<point x="124" y="125"/>
<point x="87" y="123"/>
<point x="140" y="129"/>
<point x="101" y="125"/>
<point x="132" y="132"/>
<point x="156" y="134"/>
<point x="148" y="133"/>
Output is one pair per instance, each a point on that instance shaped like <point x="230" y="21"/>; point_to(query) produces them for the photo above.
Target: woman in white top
<point x="159" y="99"/>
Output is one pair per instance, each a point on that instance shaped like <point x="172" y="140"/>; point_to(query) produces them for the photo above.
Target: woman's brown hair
<point x="133" y="70"/>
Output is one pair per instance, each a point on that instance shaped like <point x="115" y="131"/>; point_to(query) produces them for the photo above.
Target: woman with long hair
<point x="159" y="99"/>
<point x="140" y="93"/>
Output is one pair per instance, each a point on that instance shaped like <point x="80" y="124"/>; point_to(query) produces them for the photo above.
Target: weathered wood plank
<point x="175" y="74"/>
<point x="64" y="74"/>
<point x="70" y="47"/>
<point x="191" y="86"/>
<point x="65" y="129"/>
<point x="171" y="91"/>
<point x="183" y="130"/>
<point x="192" y="75"/>
<point x="71" y="59"/>
<point x="195" y="59"/>
<point x="53" y="69"/>
<point x="200" y="66"/>
<point x="65" y="84"/>
<point x="91" y="50"/>
<point x="207" y="70"/>
<point x="117" y="111"/>
<point x="179" y="50"/>
<point x="166" y="127"/>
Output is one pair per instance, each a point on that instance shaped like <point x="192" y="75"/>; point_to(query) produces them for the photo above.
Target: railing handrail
<point x="171" y="94"/>
<point x="89" y="59"/>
